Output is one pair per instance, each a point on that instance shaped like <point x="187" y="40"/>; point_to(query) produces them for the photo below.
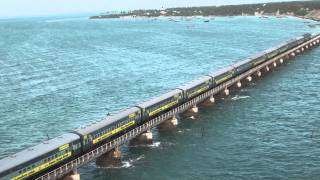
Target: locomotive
<point x="37" y="160"/>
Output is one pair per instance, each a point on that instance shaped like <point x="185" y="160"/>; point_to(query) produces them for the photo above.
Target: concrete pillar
<point x="287" y="57"/>
<point x="274" y="64"/>
<point x="209" y="101"/>
<point x="194" y="109"/>
<point x="249" y="78"/>
<point x="169" y="125"/>
<point x="73" y="175"/>
<point x="191" y="112"/>
<point x="281" y="61"/>
<point x="111" y="158"/>
<point x="310" y="44"/>
<point x="239" y="84"/>
<point x="314" y="43"/>
<point x="298" y="51"/>
<point x="302" y="49"/>
<point x="293" y="54"/>
<point x="318" y="41"/>
<point x="259" y="73"/>
<point x="144" y="138"/>
<point x="307" y="47"/>
<point x="227" y="92"/>
<point x="267" y="68"/>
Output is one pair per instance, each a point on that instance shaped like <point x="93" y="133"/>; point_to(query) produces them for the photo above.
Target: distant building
<point x="163" y="12"/>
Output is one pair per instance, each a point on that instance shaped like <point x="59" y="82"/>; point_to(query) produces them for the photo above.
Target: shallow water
<point x="57" y="74"/>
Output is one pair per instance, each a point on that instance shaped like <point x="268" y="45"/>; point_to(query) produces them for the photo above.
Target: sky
<point x="11" y="8"/>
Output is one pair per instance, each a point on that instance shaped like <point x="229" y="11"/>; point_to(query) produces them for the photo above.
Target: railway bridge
<point x="108" y="151"/>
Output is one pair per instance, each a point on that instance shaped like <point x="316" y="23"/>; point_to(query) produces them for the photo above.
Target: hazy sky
<point x="52" y="7"/>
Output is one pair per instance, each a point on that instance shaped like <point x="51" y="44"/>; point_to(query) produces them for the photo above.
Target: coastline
<point x="301" y="9"/>
<point x="315" y="19"/>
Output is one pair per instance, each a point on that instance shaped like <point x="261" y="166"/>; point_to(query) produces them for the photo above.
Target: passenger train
<point x="35" y="161"/>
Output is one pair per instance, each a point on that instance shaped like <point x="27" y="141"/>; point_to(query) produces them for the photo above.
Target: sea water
<point x="58" y="74"/>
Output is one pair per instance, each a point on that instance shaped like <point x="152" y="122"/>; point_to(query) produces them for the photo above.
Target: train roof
<point x="245" y="61"/>
<point x="107" y="121"/>
<point x="194" y="83"/>
<point x="36" y="151"/>
<point x="160" y="98"/>
<point x="221" y="71"/>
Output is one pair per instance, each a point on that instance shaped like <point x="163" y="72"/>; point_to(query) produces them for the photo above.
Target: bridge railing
<point x="92" y="155"/>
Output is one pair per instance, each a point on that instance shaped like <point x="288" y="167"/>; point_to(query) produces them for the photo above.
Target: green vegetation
<point x="296" y="8"/>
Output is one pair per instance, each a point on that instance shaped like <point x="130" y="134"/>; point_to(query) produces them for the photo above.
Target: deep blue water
<point x="57" y="74"/>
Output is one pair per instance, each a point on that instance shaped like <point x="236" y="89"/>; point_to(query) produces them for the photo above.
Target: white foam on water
<point x="140" y="157"/>
<point x="155" y="144"/>
<point x="237" y="97"/>
<point x="126" y="164"/>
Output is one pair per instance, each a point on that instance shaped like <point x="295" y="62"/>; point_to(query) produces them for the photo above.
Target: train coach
<point x="299" y="40"/>
<point x="109" y="128"/>
<point x="35" y="160"/>
<point x="161" y="104"/>
<point x="196" y="87"/>
<point x="282" y="47"/>
<point x="223" y="75"/>
<point x="242" y="66"/>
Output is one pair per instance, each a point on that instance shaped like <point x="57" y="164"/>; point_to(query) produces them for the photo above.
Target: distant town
<point x="302" y="9"/>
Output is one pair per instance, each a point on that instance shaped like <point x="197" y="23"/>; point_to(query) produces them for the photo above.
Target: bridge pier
<point x="111" y="158"/>
<point x="267" y="68"/>
<point x="274" y="64"/>
<point x="144" y="138"/>
<point x="281" y="60"/>
<point x="259" y="74"/>
<point x="227" y="92"/>
<point x="209" y="101"/>
<point x="249" y="78"/>
<point x="191" y="112"/>
<point x="168" y="125"/>
<point x="302" y="49"/>
<point x="287" y="57"/>
<point x="298" y="51"/>
<point x="293" y="54"/>
<point x="73" y="175"/>
<point x="239" y="84"/>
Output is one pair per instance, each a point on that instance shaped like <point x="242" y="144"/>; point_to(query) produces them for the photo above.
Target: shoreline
<point x="301" y="9"/>
<point x="189" y="18"/>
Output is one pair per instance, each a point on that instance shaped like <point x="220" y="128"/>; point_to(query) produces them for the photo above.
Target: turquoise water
<point x="57" y="74"/>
